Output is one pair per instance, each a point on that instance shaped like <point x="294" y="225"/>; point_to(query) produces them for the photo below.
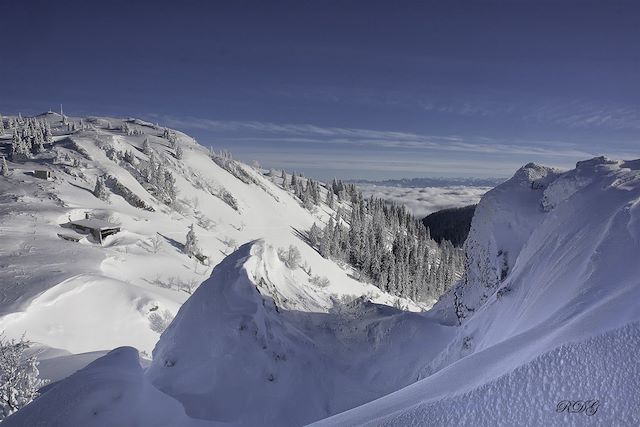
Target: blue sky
<point x="356" y="89"/>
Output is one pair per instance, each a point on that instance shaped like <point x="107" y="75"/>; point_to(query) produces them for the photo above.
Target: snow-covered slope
<point x="84" y="297"/>
<point x="562" y="322"/>
<point x="233" y="356"/>
<point x="111" y="391"/>
<point x="547" y="310"/>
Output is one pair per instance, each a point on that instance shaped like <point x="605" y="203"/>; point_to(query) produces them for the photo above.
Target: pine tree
<point x="334" y="247"/>
<point x="4" y="169"/>
<point x="315" y="235"/>
<point x="327" y="236"/>
<point x="191" y="245"/>
<point x="179" y="153"/>
<point x="37" y="142"/>
<point x="48" y="136"/>
<point x="146" y="147"/>
<point x="169" y="186"/>
<point x="100" y="190"/>
<point x="329" y="199"/>
<point x="18" y="146"/>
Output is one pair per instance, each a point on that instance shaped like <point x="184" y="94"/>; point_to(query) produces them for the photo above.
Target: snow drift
<point x="231" y="354"/>
<point x="548" y="309"/>
<point x="111" y="391"/>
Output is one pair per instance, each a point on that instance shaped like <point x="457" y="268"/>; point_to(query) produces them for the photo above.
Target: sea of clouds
<point x="424" y="200"/>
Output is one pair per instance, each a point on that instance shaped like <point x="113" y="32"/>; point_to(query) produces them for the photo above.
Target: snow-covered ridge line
<point x="154" y="184"/>
<point x="546" y="311"/>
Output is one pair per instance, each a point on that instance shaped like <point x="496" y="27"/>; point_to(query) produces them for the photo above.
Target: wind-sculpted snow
<point x="590" y="383"/>
<point x="559" y="326"/>
<point x="502" y="223"/>
<point x="112" y="391"/>
<point x="232" y="355"/>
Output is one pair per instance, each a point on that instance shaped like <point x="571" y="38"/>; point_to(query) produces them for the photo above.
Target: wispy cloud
<point x="587" y="114"/>
<point x="266" y="132"/>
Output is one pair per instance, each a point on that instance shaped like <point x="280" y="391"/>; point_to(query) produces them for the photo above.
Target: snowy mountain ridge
<point x="546" y="311"/>
<point x="142" y="270"/>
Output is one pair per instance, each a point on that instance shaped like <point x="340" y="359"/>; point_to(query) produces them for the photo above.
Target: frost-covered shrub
<point x="306" y="268"/>
<point x="230" y="243"/>
<point x="319" y="281"/>
<point x="122" y="190"/>
<point x="156" y="243"/>
<point x="290" y="257"/>
<point x="179" y="153"/>
<point x="228" y="198"/>
<point x="159" y="322"/>
<point x="130" y="158"/>
<point x="19" y="382"/>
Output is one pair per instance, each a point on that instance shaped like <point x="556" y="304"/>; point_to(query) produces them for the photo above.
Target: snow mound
<point x="112" y="391"/>
<point x="227" y="340"/>
<point x="75" y="314"/>
<point x="232" y="355"/>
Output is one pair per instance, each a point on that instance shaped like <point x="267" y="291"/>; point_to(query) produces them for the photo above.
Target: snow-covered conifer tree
<point x="18" y="145"/>
<point x="330" y="198"/>
<point x="100" y="190"/>
<point x="179" y="152"/>
<point x="169" y="186"/>
<point x="315" y="235"/>
<point x="48" y="135"/>
<point x="146" y="147"/>
<point x="191" y="245"/>
<point x="4" y="169"/>
<point x="327" y="236"/>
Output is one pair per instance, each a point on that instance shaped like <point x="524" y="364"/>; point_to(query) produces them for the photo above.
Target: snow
<point x="547" y="310"/>
<point x="104" y="297"/>
<point x="108" y="392"/>
<point x="279" y="367"/>
<point x="94" y="223"/>
<point x="599" y="369"/>
<point x="566" y="329"/>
